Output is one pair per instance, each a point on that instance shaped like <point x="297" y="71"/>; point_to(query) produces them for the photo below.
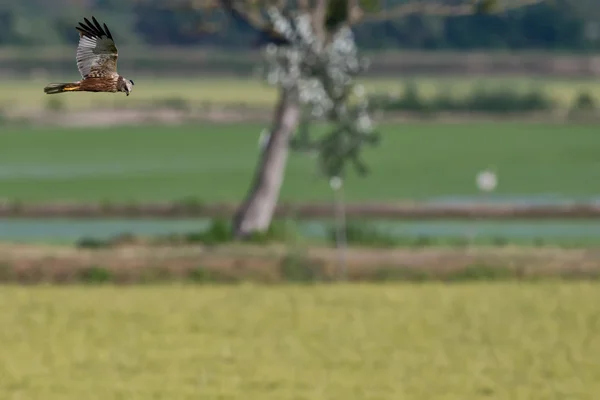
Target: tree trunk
<point x="256" y="212"/>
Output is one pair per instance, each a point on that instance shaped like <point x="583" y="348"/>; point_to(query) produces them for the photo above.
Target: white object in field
<point x="335" y="183"/>
<point x="263" y="139"/>
<point x="487" y="181"/>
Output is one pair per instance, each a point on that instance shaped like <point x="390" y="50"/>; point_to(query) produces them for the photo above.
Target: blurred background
<point x="480" y="115"/>
<point x="512" y="94"/>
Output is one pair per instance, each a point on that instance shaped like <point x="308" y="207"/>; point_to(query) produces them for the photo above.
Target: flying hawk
<point x="97" y="63"/>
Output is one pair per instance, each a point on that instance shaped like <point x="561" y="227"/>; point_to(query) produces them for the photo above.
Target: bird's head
<point x="128" y="87"/>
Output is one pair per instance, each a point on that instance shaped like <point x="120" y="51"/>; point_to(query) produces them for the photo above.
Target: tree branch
<point x="318" y="18"/>
<point x="355" y="12"/>
<point x="303" y="6"/>
<point x="245" y="16"/>
<point x="441" y="10"/>
<point x="253" y="19"/>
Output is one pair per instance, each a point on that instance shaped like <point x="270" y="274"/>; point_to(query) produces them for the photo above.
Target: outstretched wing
<point x="96" y="52"/>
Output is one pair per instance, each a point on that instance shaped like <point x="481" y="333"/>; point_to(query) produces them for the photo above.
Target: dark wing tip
<point x="97" y="25"/>
<point x="107" y="31"/>
<point x="89" y="25"/>
<point x="93" y="29"/>
<point x="87" y="28"/>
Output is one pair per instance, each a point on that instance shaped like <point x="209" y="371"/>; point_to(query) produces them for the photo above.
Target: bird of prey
<point x="97" y="63"/>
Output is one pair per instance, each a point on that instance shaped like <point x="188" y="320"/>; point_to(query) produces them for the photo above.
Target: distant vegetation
<point x="549" y="25"/>
<point x="486" y="99"/>
<point x="198" y="96"/>
<point x="480" y="99"/>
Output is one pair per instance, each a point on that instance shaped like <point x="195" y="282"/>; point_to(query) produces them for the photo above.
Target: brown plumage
<point x="96" y="61"/>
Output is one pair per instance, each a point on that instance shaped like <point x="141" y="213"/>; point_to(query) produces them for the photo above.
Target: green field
<point x="216" y="163"/>
<point x="492" y="341"/>
<point x="28" y="94"/>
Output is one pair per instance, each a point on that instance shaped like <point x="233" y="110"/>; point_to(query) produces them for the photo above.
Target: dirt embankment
<point x="138" y="262"/>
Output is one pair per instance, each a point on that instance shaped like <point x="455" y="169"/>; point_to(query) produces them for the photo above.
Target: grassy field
<point x="216" y="163"/>
<point x="28" y="94"/>
<point x="493" y="341"/>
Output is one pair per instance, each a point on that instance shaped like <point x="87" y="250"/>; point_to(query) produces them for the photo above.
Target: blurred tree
<point x="312" y="58"/>
<point x="311" y="55"/>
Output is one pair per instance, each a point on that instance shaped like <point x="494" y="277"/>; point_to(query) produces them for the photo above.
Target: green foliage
<point x="584" y="108"/>
<point x="280" y="230"/>
<point x="92" y="243"/>
<point x="204" y="275"/>
<point x="506" y="100"/>
<point x="371" y="5"/>
<point x="297" y="267"/>
<point x="219" y="231"/>
<point x="584" y="101"/>
<point x="364" y="234"/>
<point x="484" y="6"/>
<point x="337" y="13"/>
<point x="341" y="148"/>
<point x="6" y="272"/>
<point x="411" y="100"/>
<point x="95" y="275"/>
<point x="401" y="274"/>
<point x="481" y="99"/>
<point x="547" y="25"/>
<point x="471" y="273"/>
<point x="484" y="273"/>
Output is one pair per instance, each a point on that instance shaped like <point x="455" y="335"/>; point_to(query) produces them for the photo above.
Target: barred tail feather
<point x="53" y="88"/>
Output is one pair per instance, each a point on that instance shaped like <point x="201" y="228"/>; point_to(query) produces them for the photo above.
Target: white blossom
<point x="335" y="182"/>
<point x="359" y="90"/>
<point x="322" y="75"/>
<point x="365" y="124"/>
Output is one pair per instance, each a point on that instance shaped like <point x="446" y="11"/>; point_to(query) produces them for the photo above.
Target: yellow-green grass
<point x="492" y="341"/>
<point x="28" y="94"/>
